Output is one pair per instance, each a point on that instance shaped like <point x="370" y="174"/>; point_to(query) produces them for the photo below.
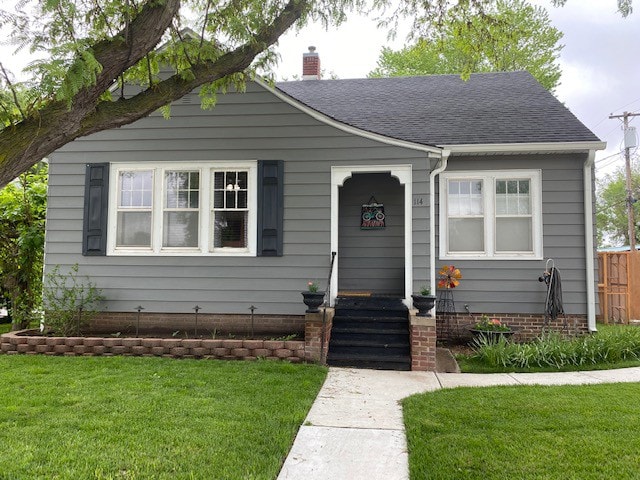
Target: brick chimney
<point x="311" y="65"/>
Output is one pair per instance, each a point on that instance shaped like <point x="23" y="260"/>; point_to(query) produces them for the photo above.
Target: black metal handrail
<point x="324" y="310"/>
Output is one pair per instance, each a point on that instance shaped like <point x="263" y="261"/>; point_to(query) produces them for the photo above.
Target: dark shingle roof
<point x="489" y="108"/>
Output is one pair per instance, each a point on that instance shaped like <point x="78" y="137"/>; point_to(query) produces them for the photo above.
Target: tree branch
<point x="29" y="141"/>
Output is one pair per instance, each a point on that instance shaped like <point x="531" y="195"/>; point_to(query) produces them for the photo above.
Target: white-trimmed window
<point x="134" y="208"/>
<point x="183" y="209"/>
<point x="491" y="214"/>
<point x="180" y="219"/>
<point x="230" y="209"/>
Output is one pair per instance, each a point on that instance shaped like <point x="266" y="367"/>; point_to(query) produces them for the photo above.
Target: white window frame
<point x="489" y="178"/>
<point x="205" y="237"/>
<point x="114" y="207"/>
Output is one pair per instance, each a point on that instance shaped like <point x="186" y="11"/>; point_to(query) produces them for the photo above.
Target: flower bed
<point x="25" y="342"/>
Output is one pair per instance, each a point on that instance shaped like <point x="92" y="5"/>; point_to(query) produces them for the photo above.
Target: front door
<point x="371" y="260"/>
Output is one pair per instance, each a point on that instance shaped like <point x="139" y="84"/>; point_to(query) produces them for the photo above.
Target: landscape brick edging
<point x="225" y="349"/>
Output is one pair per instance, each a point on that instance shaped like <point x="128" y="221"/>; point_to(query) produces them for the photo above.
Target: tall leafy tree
<point x="612" y="219"/>
<point x="22" y="215"/>
<point x="509" y="35"/>
<point x="89" y="45"/>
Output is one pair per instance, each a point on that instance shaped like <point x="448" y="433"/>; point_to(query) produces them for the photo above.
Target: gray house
<point x="243" y="204"/>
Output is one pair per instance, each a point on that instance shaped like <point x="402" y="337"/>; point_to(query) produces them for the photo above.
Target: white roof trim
<point x="526" y="147"/>
<point x="435" y="151"/>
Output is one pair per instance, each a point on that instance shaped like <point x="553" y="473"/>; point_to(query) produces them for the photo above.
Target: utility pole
<point x="627" y="158"/>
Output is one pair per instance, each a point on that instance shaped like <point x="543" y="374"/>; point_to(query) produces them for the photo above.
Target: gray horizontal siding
<point x="257" y="125"/>
<point x="511" y="286"/>
<point x="251" y="126"/>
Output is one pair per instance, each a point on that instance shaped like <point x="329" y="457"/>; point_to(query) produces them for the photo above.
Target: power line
<point x="627" y="156"/>
<point x="612" y="155"/>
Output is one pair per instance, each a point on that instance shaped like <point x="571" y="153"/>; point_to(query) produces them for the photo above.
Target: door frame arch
<point x="404" y="175"/>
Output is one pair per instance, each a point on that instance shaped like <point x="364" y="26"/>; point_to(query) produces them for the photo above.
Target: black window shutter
<point x="270" y="207"/>
<point x="96" y="199"/>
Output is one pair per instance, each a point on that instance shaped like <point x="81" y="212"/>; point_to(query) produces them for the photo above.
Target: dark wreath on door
<point x="372" y="217"/>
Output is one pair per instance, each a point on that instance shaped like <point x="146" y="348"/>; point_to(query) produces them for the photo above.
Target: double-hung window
<point x="180" y="220"/>
<point x="180" y="208"/>
<point x="491" y="214"/>
<point x="134" y="208"/>
<point x="230" y="213"/>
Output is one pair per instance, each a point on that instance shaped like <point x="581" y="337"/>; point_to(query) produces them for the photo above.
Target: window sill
<point x="494" y="257"/>
<point x="186" y="253"/>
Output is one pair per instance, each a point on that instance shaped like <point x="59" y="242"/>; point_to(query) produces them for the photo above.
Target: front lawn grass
<point x="149" y="418"/>
<point x="526" y="432"/>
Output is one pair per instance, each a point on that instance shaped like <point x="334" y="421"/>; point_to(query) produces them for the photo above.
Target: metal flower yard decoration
<point x="449" y="277"/>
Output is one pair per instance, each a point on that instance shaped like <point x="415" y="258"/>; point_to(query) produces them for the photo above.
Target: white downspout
<point x="588" y="240"/>
<point x="432" y="217"/>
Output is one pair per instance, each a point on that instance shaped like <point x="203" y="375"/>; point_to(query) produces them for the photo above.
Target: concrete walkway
<point x="354" y="429"/>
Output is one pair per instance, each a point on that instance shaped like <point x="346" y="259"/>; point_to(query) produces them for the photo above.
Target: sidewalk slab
<point x="452" y="380"/>
<point x="555" y="378"/>
<point x="350" y="412"/>
<point x="616" y="376"/>
<point x="361" y="398"/>
<point x="378" y="384"/>
<point x="322" y="453"/>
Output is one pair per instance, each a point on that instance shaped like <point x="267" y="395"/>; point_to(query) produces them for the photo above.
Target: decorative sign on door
<point x="372" y="217"/>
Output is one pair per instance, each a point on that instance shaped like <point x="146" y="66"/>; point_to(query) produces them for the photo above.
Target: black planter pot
<point x="312" y="300"/>
<point x="491" y="336"/>
<point x="423" y="303"/>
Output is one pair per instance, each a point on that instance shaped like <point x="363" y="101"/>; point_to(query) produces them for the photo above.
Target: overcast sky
<point x="600" y="62"/>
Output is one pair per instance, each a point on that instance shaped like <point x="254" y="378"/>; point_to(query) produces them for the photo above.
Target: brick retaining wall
<point x="23" y="342"/>
<point x="125" y="322"/>
<point x="527" y="327"/>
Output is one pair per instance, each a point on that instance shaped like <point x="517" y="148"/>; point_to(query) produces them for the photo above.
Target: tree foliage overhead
<point x="90" y="45"/>
<point x="611" y="207"/>
<point x="510" y="35"/>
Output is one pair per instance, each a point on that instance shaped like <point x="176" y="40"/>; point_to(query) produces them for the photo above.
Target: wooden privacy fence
<point x="619" y="286"/>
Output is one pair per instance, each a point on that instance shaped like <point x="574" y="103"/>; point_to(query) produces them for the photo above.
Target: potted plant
<point x="424" y="301"/>
<point x="491" y="329"/>
<point x="312" y="298"/>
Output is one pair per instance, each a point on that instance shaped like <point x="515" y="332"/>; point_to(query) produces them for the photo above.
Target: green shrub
<point x="70" y="301"/>
<point x="612" y="345"/>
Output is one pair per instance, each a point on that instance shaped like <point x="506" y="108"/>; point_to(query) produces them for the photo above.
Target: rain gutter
<point x="444" y="158"/>
<point x="588" y="240"/>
